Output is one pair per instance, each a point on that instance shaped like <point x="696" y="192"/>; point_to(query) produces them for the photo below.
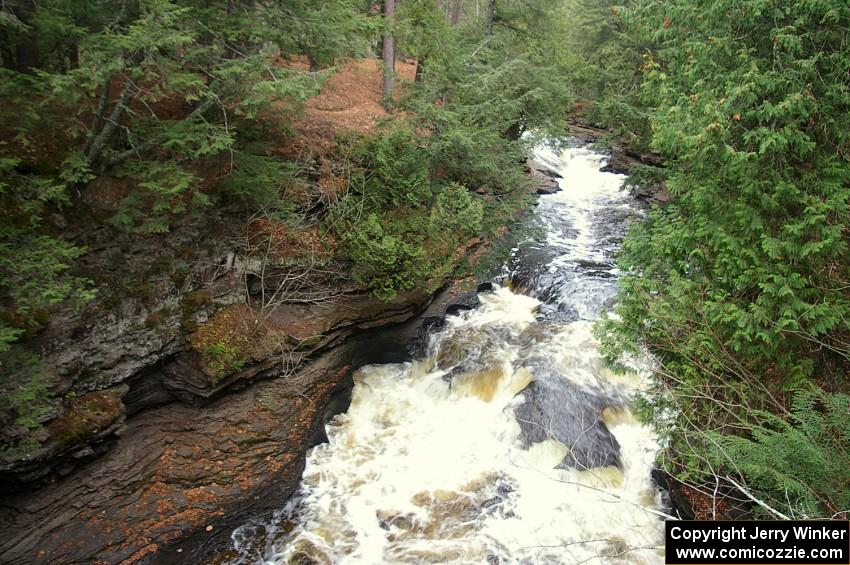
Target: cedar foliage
<point x="741" y="285"/>
<point x="157" y="92"/>
<point x="150" y="90"/>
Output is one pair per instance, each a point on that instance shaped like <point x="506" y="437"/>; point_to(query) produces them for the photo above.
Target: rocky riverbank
<point x="159" y="444"/>
<point x="178" y="474"/>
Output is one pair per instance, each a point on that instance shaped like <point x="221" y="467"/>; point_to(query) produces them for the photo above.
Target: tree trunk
<point x="443" y="8"/>
<point x="198" y="112"/>
<point x="73" y="57"/>
<point x="26" y="53"/>
<point x="111" y="123"/>
<point x="7" y="55"/>
<point x="515" y="130"/>
<point x="99" y="114"/>
<point x="420" y="67"/>
<point x="388" y="53"/>
<point x="23" y="47"/>
<point x="457" y="6"/>
<point x="491" y="15"/>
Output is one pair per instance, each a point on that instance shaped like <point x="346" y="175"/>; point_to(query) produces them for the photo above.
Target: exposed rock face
<point x="149" y="299"/>
<point x="621" y="158"/>
<point x="177" y="470"/>
<point x="195" y="460"/>
<point x="154" y="452"/>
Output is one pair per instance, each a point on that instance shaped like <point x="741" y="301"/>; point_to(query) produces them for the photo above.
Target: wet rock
<point x="482" y="382"/>
<point x="543" y="170"/>
<point x="547" y="187"/>
<point x="485" y="287"/>
<point x="554" y="408"/>
<point x="593" y="266"/>
<point x="418" y="346"/>
<point x="338" y="403"/>
<point x="561" y="313"/>
<point x="544" y="178"/>
<point x="471" y="347"/>
<point x="622" y="158"/>
<point x="619" y="163"/>
<point x="411" y="340"/>
<point x="584" y="134"/>
<point x="689" y="503"/>
<point x="679" y="505"/>
<point x="529" y="268"/>
<point x="466" y="301"/>
<point x="536" y="333"/>
<point x="179" y="470"/>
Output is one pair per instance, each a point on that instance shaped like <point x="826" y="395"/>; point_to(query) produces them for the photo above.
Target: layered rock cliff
<point x="159" y="449"/>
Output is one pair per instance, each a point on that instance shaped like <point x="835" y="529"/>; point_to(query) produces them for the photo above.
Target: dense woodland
<point x="740" y="287"/>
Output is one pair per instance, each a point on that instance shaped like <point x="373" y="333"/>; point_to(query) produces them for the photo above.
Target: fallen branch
<point x="761" y="503"/>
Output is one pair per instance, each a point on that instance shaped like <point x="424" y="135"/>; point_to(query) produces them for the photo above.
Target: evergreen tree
<point x="741" y="285"/>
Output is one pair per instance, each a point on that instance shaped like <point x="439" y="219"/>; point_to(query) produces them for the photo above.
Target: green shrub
<point x="457" y="212"/>
<point x="385" y="263"/>
<point x="164" y="189"/>
<point x="34" y="265"/>
<point x="262" y="182"/>
<point x="223" y="359"/>
<point x="25" y="398"/>
<point x="396" y="169"/>
<point x="477" y="157"/>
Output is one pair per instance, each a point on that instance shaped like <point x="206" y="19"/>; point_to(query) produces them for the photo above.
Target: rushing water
<point x="511" y="442"/>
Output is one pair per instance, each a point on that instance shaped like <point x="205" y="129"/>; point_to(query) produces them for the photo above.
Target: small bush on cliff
<point x="397" y="225"/>
<point x="223" y="359"/>
<point x="456" y="212"/>
<point x="395" y="169"/>
<point x="412" y="248"/>
<point x="383" y="261"/>
<point x="34" y="263"/>
<point x="25" y="401"/>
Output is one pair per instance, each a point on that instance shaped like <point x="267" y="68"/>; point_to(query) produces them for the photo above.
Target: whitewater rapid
<point x="511" y="442"/>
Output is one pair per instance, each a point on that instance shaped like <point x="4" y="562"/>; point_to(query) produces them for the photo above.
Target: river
<point x="511" y="442"/>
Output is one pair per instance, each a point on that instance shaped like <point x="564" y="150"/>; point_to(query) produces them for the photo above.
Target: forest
<point x="184" y="125"/>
